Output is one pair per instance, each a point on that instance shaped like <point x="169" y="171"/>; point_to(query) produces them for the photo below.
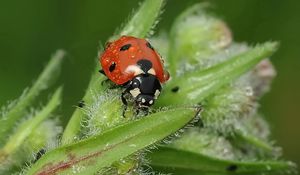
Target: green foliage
<point x="21" y="128"/>
<point x="207" y="68"/>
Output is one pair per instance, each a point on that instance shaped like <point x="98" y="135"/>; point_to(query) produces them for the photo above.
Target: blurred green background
<point x="30" y="31"/>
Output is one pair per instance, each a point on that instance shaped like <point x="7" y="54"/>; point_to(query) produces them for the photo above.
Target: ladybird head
<point x="144" y="100"/>
<point x="145" y="88"/>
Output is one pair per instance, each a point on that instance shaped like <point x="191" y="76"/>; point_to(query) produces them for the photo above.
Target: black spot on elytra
<point x="175" y="89"/>
<point x="125" y="47"/>
<point x="81" y="104"/>
<point x="112" y="67"/>
<point x="144" y="64"/>
<point x="149" y="45"/>
<point x="232" y="168"/>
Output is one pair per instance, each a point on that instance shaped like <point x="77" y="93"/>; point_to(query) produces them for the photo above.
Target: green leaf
<point x="90" y="155"/>
<point x="195" y="86"/>
<point x="139" y="25"/>
<point x="48" y="76"/>
<point x="181" y="162"/>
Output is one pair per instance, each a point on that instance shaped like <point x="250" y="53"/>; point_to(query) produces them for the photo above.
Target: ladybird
<point x="134" y="64"/>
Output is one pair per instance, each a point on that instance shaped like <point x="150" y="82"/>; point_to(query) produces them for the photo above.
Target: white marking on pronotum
<point x="135" y="92"/>
<point x="143" y="100"/>
<point x="152" y="71"/>
<point x="151" y="102"/>
<point x="156" y="94"/>
<point x="134" y="69"/>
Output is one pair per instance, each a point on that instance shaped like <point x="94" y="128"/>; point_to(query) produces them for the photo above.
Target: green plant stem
<point x="50" y="73"/>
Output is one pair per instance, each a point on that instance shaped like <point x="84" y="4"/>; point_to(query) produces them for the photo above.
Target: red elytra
<point x="120" y="58"/>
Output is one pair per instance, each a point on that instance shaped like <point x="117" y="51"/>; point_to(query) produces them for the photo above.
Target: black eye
<point x="112" y="67"/>
<point x="125" y="47"/>
<point x="149" y="45"/>
<point x="135" y="83"/>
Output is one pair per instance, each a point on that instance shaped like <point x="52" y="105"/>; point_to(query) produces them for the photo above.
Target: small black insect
<point x="81" y="104"/>
<point x="232" y="168"/>
<point x="175" y="89"/>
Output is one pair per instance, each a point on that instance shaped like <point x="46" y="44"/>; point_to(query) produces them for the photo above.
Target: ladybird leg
<point x="200" y="121"/>
<point x="39" y="154"/>
<point x="102" y="72"/>
<point x="148" y="111"/>
<point x="137" y="111"/>
<point x="127" y="87"/>
<point x="144" y="110"/>
<point x="124" y="101"/>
